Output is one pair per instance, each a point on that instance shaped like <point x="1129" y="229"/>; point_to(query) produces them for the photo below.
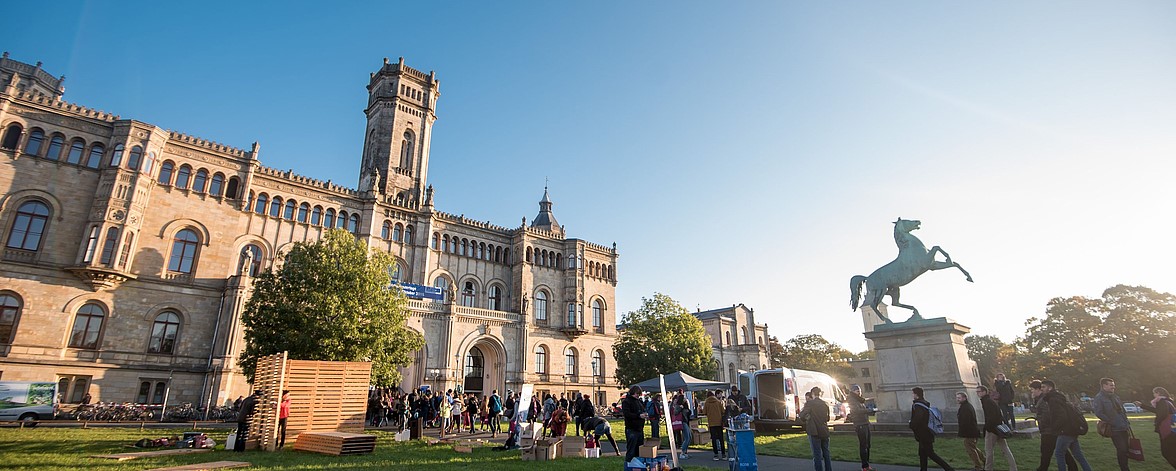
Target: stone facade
<point x="739" y="343"/>
<point x="130" y="250"/>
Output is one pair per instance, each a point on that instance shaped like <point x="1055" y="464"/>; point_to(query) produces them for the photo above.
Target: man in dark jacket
<point x="1109" y="408"/>
<point x="969" y="430"/>
<point x="244" y="416"/>
<point x="992" y="437"/>
<point x="586" y="411"/>
<point x="859" y="416"/>
<point x="634" y="414"/>
<point x="1057" y="415"/>
<point x="1004" y="389"/>
<point x="1049" y="435"/>
<point x="920" y="413"/>
<point x="741" y="401"/>
<point x="653" y="408"/>
<point x="815" y="415"/>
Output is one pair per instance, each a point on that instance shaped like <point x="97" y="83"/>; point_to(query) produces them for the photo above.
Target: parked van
<point x="777" y="395"/>
<point x="27" y="400"/>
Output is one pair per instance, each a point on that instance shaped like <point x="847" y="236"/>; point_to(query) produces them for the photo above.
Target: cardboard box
<point x="547" y="450"/>
<point x="648" y="451"/>
<point x="573" y="447"/>
<point x="700" y="438"/>
<point x="528" y="454"/>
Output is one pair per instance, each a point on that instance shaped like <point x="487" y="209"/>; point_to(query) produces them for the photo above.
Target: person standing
<point x="653" y="408"/>
<point x="815" y="415"/>
<point x="1004" y="390"/>
<point x="244" y="415"/>
<point x="680" y="415"/>
<point x="992" y="435"/>
<point x="495" y="413"/>
<point x="740" y="400"/>
<point x="587" y="411"/>
<point x="969" y="430"/>
<point x="549" y="406"/>
<point x="1109" y="408"/>
<point x="920" y="417"/>
<point x="1056" y="413"/>
<point x="283" y="415"/>
<point x="446" y="417"/>
<point x="859" y="416"/>
<point x="635" y="416"/>
<point x="713" y="409"/>
<point x="1049" y="435"/>
<point x="1165" y="411"/>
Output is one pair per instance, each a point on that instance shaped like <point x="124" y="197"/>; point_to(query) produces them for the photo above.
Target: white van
<point x="27" y="400"/>
<point x="777" y="395"/>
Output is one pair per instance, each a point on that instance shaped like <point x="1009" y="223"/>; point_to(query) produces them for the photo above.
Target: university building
<point x="738" y="343"/>
<point x="130" y="251"/>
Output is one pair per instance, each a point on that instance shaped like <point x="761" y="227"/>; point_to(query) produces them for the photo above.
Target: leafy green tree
<point x="991" y="355"/>
<point x="330" y="300"/>
<point x="814" y="352"/>
<point x="662" y="337"/>
<point x="775" y="352"/>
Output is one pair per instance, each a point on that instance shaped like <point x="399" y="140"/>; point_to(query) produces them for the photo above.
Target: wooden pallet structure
<point x="325" y="396"/>
<point x="336" y="443"/>
<point x="206" y="466"/>
<point x="152" y="454"/>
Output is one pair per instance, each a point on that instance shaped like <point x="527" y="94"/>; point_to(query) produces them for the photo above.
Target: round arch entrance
<point x="483" y="367"/>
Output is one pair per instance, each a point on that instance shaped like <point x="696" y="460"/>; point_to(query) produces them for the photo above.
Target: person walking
<point x="712" y="408"/>
<point x="969" y="430"/>
<point x="635" y="416"/>
<point x="1004" y="390"/>
<point x="244" y="415"/>
<point x="815" y="415"/>
<point x="1056" y="413"/>
<point x="859" y="416"/>
<point x="600" y="427"/>
<point x="920" y="425"/>
<point x="992" y="434"/>
<point x="1049" y="435"/>
<point x="283" y="415"/>
<point x="446" y="417"/>
<point x="495" y="407"/>
<point x="1109" y="409"/>
<point x="1161" y="404"/>
<point x="653" y="408"/>
<point x="549" y="406"/>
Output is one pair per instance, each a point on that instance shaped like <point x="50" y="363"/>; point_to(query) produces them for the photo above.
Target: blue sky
<point x="749" y="152"/>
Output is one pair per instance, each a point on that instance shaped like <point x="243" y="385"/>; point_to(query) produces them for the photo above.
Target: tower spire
<point x="546" y="219"/>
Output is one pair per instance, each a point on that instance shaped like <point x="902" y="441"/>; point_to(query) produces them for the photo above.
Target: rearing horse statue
<point x="913" y="260"/>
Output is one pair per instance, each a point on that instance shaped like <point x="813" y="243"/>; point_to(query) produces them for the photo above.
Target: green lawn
<point x="903" y="450"/>
<point x="45" y="448"/>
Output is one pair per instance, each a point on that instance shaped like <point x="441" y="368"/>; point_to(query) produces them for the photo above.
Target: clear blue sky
<point x="739" y="152"/>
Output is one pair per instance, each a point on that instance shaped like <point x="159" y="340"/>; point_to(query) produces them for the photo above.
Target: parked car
<point x="27" y="400"/>
<point x="1131" y="408"/>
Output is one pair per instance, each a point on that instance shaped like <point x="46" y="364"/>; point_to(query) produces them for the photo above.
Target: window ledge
<point x="101" y="278"/>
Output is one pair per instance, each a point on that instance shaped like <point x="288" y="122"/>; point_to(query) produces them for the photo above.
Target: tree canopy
<point x="813" y="352"/>
<point x="330" y="300"/>
<point x="662" y="337"/>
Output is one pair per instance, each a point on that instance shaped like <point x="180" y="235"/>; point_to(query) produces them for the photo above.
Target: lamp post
<point x="595" y="382"/>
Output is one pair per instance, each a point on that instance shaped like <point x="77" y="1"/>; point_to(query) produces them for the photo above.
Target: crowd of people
<point x="638" y="409"/>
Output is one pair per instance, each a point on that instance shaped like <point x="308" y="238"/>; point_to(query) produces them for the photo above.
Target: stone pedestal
<point x="928" y="353"/>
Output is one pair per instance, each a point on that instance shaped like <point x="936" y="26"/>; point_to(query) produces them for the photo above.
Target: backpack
<point x="934" y="419"/>
<point x="1077" y="419"/>
<point x="1172" y="419"/>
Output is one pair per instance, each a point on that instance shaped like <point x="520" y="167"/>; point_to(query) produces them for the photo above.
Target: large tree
<point x="814" y="352"/>
<point x="662" y="337"/>
<point x="992" y="356"/>
<point x="331" y="300"/>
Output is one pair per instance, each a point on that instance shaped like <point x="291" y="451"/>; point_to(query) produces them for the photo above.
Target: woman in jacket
<point x="1165" y="411"/>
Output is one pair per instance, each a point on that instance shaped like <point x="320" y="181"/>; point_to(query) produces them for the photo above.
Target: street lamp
<point x="595" y="382"/>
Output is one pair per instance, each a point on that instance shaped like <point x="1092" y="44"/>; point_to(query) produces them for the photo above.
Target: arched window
<point x="528" y="255"/>
<point x="570" y="361"/>
<point x="408" y="232"/>
<point x="29" y="225"/>
<point x="406" y="153"/>
<point x="87" y="326"/>
<point x="543" y="259"/>
<point x="36" y="139"/>
<point x="217" y="185"/>
<point x="329" y="219"/>
<point x="135" y="156"/>
<point x="9" y="317"/>
<point x="465" y="246"/>
<point x="445" y="243"/>
<point x="386" y="230"/>
<point x="541" y="360"/>
<point x="182" y="177"/>
<point x="276" y="207"/>
<point x="598" y="315"/>
<point x="11" y="136"/>
<point x="55" y="146"/>
<point x="76" y="149"/>
<point x="743" y="335"/>
<point x="200" y="181"/>
<point x="183" y="254"/>
<point x="231" y="188"/>
<point x="160" y="392"/>
<point x="733" y="377"/>
<point x="289" y="213"/>
<point x="341" y="223"/>
<point x="116" y="156"/>
<point x="126" y="250"/>
<point x="353" y="223"/>
<point x="165" y="172"/>
<point x="558" y="261"/>
<point x="397" y="233"/>
<point x="262" y="200"/>
<point x="316" y="216"/>
<point x="597" y="363"/>
<point x="149" y="163"/>
<point x="436" y="242"/>
<point x="481" y="251"/>
<point x="164" y="332"/>
<point x="760" y="341"/>
<point x="95" y="158"/>
<point x="506" y="256"/>
<point x="612" y="276"/>
<point x="541" y="306"/>
<point x="303" y="210"/>
<point x="91" y="245"/>
<point x="252" y="254"/>
<point x="442" y="283"/>
<point x="495" y="298"/>
<point x="399" y="273"/>
<point x="727" y="335"/>
<point x="109" y="246"/>
<point x="498" y="254"/>
<point x="468" y="294"/>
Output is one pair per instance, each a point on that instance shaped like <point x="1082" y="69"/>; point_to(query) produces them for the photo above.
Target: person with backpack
<point x="1055" y="413"/>
<point x="1109" y="410"/>
<point x="1049" y="436"/>
<point x="969" y="430"/>
<point x="926" y="421"/>
<point x="1165" y="412"/>
<point x="815" y="415"/>
<point x="653" y="407"/>
<point x="993" y="437"/>
<point x="495" y="414"/>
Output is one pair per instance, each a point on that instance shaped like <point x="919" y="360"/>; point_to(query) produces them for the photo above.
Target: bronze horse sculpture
<point x="913" y="260"/>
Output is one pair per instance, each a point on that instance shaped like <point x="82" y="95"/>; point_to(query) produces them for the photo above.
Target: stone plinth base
<point x="928" y="353"/>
